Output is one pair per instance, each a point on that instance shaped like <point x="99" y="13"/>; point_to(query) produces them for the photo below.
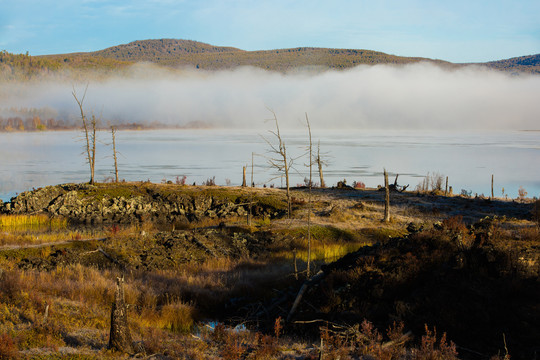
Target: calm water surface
<point x="37" y="159"/>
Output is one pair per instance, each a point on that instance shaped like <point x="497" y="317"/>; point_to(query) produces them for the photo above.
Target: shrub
<point x="47" y="335"/>
<point x="430" y="350"/>
<point x="466" y="193"/>
<point x="278" y="327"/>
<point x="178" y="317"/>
<point x="359" y="185"/>
<point x="522" y="193"/>
<point x="436" y="181"/>
<point x="10" y="285"/>
<point x="233" y="349"/>
<point x="267" y="347"/>
<point x="181" y="180"/>
<point x="8" y="349"/>
<point x="153" y="340"/>
<point x="210" y="181"/>
<point x="219" y="334"/>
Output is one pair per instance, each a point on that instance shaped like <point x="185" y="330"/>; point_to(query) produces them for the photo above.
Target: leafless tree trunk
<point x="282" y="163"/>
<point x="309" y="198"/>
<point x="113" y="132"/>
<point x="120" y="337"/>
<point x="320" y="163"/>
<point x="93" y="142"/>
<point x="252" y="160"/>
<point x="386" y="198"/>
<point x="90" y="138"/>
<point x="492" y="196"/>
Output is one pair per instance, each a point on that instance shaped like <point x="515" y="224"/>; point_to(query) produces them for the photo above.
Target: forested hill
<point x="170" y="52"/>
<point x="162" y="51"/>
<point x="187" y="53"/>
<point x="527" y="64"/>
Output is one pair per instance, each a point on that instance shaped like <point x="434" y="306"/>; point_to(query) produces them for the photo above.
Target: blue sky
<point x="457" y="31"/>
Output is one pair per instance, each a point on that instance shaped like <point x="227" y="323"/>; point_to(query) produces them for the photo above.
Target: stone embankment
<point x="132" y="203"/>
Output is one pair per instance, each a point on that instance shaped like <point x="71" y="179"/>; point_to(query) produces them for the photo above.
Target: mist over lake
<point x="468" y="158"/>
<point x="412" y="120"/>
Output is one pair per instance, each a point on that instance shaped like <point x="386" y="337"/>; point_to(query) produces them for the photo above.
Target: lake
<point x="469" y="159"/>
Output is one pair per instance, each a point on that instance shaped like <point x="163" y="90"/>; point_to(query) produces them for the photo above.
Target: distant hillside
<point x="160" y="51"/>
<point x="527" y="64"/>
<point x="175" y="53"/>
<point x="180" y="53"/>
<point x="25" y="67"/>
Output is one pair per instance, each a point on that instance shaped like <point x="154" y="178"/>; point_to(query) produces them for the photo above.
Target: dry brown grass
<point x="166" y="306"/>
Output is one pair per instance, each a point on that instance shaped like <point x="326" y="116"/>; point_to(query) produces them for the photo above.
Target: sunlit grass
<point x="24" y="236"/>
<point x="323" y="252"/>
<point x="8" y="222"/>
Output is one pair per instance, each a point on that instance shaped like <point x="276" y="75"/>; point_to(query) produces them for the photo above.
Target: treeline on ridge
<point x="187" y="53"/>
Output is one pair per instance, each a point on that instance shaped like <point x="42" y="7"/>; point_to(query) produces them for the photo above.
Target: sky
<point x="459" y="31"/>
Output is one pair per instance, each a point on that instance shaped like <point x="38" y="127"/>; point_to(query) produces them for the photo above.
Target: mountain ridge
<point x="177" y="53"/>
<point x="211" y="57"/>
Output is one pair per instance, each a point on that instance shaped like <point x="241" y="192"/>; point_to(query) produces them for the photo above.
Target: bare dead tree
<point x="113" y="133"/>
<point x="281" y="162"/>
<point x="93" y="141"/>
<point x="492" y="196"/>
<point x="386" y="198"/>
<point x="252" y="161"/>
<point x="309" y="198"/>
<point x="90" y="134"/>
<point x="320" y="164"/>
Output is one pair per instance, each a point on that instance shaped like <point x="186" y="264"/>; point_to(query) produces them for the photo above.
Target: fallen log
<point x="313" y="280"/>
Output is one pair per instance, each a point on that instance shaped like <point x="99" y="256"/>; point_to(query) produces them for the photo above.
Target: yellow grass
<point x="323" y="252"/>
<point x="25" y="237"/>
<point x="42" y="220"/>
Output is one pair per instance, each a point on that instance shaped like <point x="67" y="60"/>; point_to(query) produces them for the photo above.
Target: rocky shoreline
<point x="128" y="203"/>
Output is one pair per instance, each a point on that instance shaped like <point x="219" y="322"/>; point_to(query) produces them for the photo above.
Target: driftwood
<point x="315" y="279"/>
<point x="343" y="185"/>
<point x="110" y="258"/>
<point x="345" y="262"/>
<point x="395" y="187"/>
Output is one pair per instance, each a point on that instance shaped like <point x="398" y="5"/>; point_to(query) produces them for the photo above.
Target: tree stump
<point x="120" y="337"/>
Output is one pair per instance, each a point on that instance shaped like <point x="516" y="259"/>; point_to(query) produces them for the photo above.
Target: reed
<point x="41" y="220"/>
<point x="324" y="252"/>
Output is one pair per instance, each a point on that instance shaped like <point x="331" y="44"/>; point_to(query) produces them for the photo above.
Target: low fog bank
<point x="419" y="96"/>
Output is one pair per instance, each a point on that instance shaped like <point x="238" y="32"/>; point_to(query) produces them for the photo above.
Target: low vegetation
<point x="445" y="278"/>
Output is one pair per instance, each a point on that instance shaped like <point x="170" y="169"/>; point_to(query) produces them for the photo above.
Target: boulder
<point x="36" y="200"/>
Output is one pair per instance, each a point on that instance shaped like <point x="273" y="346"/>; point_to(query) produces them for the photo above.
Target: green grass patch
<point x="109" y="191"/>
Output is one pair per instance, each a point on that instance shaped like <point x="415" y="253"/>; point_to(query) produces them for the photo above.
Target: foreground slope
<point x="190" y="254"/>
